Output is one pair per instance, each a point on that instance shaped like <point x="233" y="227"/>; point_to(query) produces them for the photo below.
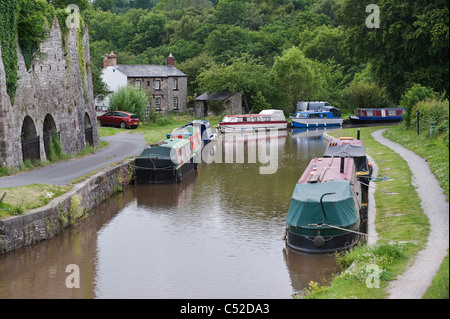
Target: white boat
<point x="266" y="119"/>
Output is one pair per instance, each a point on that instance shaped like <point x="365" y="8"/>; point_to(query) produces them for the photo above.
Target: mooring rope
<point x="387" y="192"/>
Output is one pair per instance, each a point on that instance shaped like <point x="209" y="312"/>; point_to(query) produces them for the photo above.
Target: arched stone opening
<point x="88" y="130"/>
<point x="49" y="132"/>
<point x="31" y="148"/>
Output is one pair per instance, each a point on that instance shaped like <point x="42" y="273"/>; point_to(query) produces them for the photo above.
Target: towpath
<point x="417" y="278"/>
<point x="121" y="146"/>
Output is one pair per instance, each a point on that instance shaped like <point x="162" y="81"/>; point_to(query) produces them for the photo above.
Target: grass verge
<point x="20" y="199"/>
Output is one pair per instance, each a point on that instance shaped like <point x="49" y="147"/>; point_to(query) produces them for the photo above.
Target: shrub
<point x="414" y="95"/>
<point x="433" y="112"/>
<point x="129" y="99"/>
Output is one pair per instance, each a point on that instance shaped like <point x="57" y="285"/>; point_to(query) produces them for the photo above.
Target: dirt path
<point x="417" y="278"/>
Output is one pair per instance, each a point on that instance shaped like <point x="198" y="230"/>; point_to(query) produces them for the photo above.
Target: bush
<point x="433" y="112"/>
<point x="129" y="99"/>
<point x="414" y="95"/>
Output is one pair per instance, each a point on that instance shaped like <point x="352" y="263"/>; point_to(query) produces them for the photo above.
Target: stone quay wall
<point x="49" y="221"/>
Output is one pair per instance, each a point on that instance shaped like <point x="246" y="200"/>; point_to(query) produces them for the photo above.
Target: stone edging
<point x="48" y="221"/>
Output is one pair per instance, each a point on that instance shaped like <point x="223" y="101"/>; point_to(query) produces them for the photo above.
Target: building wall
<point x="113" y="78"/>
<point x="51" y="91"/>
<point x="166" y="93"/>
<point x="232" y="105"/>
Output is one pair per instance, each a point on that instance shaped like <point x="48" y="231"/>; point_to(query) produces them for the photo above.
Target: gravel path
<point x="417" y="278"/>
<point x="121" y="146"/>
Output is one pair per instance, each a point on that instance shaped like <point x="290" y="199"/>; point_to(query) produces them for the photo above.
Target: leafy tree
<point x="192" y="68"/>
<point x="295" y="77"/>
<point x="411" y="45"/>
<point x="227" y="42"/>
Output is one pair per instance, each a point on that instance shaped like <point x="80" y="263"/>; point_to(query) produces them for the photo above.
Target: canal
<point x="218" y="234"/>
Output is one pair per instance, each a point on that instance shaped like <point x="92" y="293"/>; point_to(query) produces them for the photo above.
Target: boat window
<point x="267" y="119"/>
<point x="325" y="115"/>
<point x="314" y="116"/>
<point x="369" y="113"/>
<point x="392" y="113"/>
<point x="301" y="115"/>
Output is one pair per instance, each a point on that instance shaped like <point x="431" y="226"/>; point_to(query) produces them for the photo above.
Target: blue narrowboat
<point x="388" y="115"/>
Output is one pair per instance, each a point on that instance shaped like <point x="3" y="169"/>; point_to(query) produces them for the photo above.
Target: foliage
<point x="414" y="95"/>
<point x="411" y="45"/>
<point x="363" y="94"/>
<point x="433" y="113"/>
<point x="295" y="76"/>
<point x="9" y="11"/>
<point x="129" y="99"/>
<point x="35" y="20"/>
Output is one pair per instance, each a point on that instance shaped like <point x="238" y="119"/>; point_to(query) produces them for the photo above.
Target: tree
<point x="129" y="99"/>
<point x="295" y="77"/>
<point x="411" y="45"/>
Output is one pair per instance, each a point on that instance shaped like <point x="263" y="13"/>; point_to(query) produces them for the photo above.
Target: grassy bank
<point x="401" y="225"/>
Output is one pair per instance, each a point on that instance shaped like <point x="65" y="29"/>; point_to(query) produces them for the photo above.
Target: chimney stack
<point x="171" y="60"/>
<point x="110" y="60"/>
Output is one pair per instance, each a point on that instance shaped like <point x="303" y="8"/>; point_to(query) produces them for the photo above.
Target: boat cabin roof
<point x="322" y="170"/>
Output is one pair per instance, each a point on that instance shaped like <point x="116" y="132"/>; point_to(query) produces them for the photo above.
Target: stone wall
<point x="46" y="222"/>
<point x="50" y="97"/>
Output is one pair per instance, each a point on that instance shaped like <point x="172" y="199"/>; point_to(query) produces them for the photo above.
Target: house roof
<point x="149" y="71"/>
<point x="216" y="96"/>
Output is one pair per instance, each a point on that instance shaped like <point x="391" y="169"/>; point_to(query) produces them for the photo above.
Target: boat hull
<point x="374" y="119"/>
<point x="305" y="123"/>
<point x="239" y="127"/>
<point x="163" y="176"/>
<point x="326" y="244"/>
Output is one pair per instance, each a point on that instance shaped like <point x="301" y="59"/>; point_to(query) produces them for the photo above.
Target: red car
<point x="119" y="118"/>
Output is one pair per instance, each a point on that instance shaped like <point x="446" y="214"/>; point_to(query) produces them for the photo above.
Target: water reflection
<point x="216" y="235"/>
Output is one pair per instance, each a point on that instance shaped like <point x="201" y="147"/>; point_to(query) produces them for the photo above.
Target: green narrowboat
<point x="324" y="215"/>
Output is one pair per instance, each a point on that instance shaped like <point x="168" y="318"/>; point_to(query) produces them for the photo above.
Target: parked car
<point x="119" y="118"/>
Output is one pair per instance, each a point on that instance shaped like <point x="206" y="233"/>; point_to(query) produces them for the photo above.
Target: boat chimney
<point x="359" y="135"/>
<point x="342" y="164"/>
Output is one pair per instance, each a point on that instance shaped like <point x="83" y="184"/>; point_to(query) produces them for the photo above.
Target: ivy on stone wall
<point x="26" y="21"/>
<point x="80" y="45"/>
<point x="35" y="20"/>
<point x="9" y="10"/>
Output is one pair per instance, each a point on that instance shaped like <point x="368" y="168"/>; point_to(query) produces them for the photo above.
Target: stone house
<point x="167" y="84"/>
<point x="54" y="96"/>
<point x="219" y="103"/>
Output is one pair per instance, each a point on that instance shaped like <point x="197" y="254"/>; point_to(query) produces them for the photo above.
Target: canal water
<point x="218" y="234"/>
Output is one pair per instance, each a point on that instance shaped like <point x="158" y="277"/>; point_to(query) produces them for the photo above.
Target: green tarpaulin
<point x="339" y="208"/>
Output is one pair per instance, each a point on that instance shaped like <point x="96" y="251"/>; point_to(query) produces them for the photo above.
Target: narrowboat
<point x="165" y="162"/>
<point x="207" y="132"/>
<point x="266" y="119"/>
<point x="388" y="115"/>
<point x="311" y="119"/>
<point x="354" y="148"/>
<point x="324" y="213"/>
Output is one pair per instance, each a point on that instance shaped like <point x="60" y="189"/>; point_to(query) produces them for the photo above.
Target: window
<point x="157" y="85"/>
<point x="175" y="103"/>
<point x="158" y="103"/>
<point x="175" y="84"/>
<point x="138" y="84"/>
